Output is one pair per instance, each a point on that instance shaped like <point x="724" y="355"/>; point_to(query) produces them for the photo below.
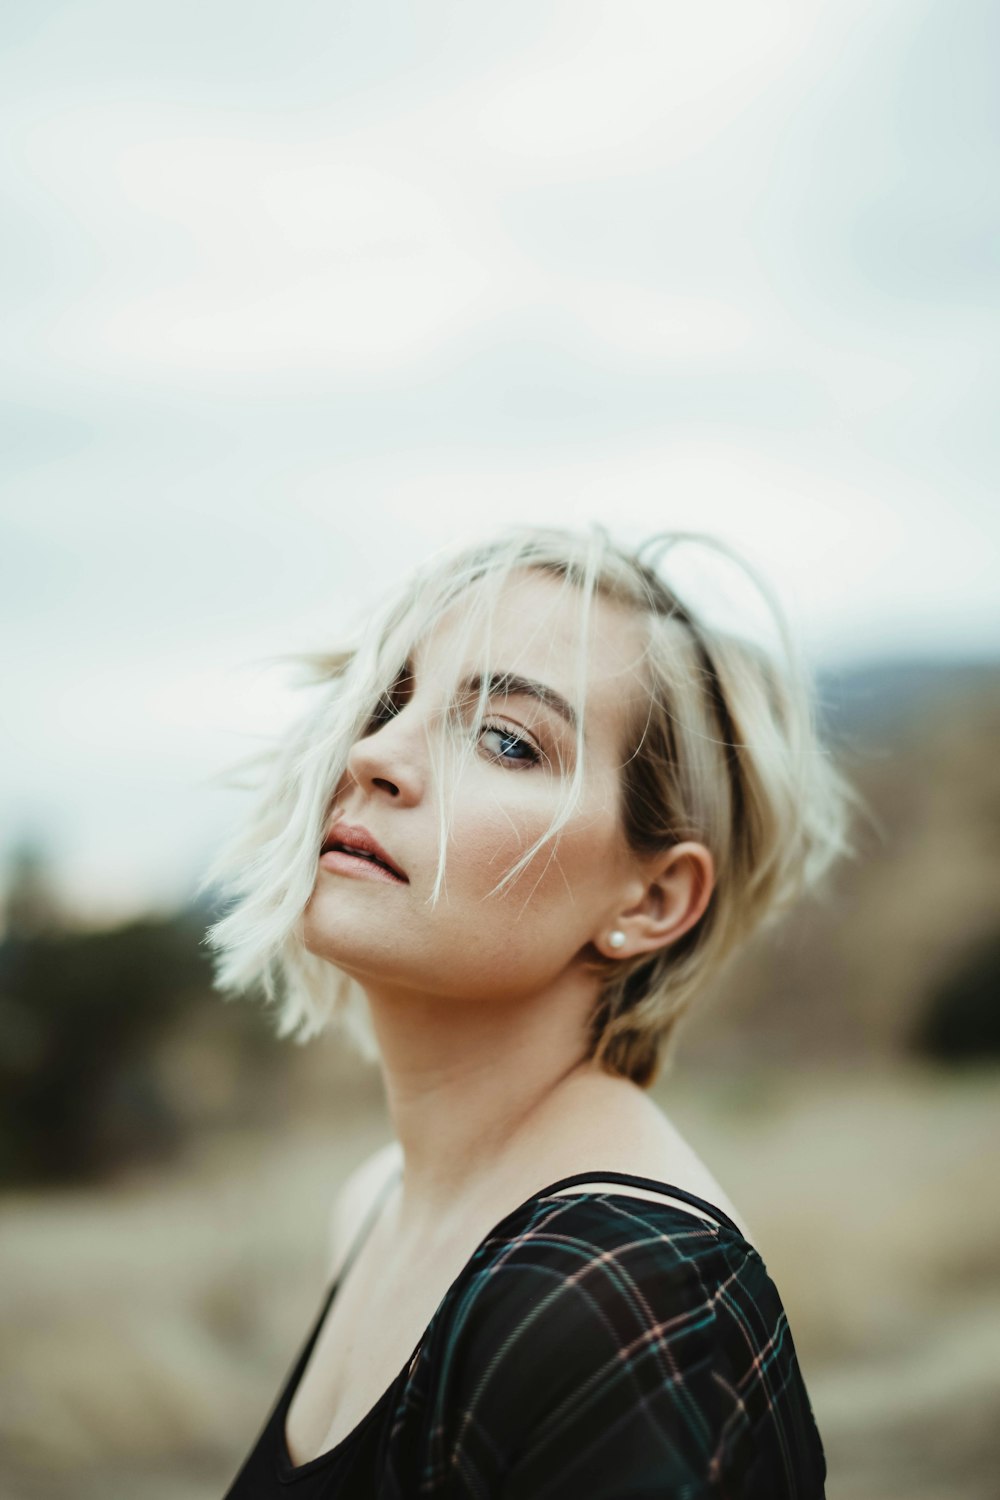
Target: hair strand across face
<point x="723" y="750"/>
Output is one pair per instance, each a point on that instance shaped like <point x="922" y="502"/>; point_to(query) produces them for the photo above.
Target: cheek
<point x="495" y="826"/>
<point x="568" y="871"/>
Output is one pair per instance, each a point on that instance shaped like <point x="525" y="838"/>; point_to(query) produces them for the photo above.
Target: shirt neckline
<point x="288" y="1472"/>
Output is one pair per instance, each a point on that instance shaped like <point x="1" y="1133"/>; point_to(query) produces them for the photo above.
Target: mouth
<point x="359" y="849"/>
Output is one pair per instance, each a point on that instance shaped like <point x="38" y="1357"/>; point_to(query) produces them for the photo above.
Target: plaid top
<point x="594" y="1347"/>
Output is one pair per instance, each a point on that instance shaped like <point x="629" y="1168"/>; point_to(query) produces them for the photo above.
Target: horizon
<point x="198" y="807"/>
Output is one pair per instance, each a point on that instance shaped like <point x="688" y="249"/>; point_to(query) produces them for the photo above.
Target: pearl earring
<point x="616" y="939"/>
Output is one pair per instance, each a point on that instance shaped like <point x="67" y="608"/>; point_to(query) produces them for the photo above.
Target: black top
<point x="594" y="1347"/>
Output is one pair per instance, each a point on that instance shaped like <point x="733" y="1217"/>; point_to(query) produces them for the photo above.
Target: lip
<point x="352" y="836"/>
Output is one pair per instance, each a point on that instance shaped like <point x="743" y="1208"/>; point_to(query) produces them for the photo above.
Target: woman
<point x="538" y="806"/>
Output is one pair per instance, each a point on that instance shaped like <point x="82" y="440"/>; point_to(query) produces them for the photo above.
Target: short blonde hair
<point x="724" y="752"/>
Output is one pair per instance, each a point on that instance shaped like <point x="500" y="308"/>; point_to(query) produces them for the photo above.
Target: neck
<point x="471" y="1084"/>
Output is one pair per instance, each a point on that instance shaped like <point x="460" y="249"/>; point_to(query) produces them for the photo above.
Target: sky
<point x="293" y="297"/>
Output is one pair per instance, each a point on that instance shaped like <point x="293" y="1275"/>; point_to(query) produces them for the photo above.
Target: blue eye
<point x="510" y="738"/>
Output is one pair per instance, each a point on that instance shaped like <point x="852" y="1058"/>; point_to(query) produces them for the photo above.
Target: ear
<point x="677" y="888"/>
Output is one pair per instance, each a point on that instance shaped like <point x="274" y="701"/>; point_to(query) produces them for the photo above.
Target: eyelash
<point x="387" y="710"/>
<point x="508" y="732"/>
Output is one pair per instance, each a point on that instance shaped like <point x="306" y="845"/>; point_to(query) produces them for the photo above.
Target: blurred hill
<point x="114" y="1046"/>
<point x="876" y="695"/>
<point x="853" y="974"/>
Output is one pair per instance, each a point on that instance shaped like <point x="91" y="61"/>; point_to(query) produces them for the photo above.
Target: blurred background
<point x="293" y="298"/>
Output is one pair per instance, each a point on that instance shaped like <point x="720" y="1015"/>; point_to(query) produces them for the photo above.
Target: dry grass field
<point x="145" y="1327"/>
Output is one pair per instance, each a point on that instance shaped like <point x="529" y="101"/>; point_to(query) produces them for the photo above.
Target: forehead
<point x="535" y="632"/>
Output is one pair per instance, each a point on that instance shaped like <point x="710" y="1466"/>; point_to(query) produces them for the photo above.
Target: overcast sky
<point x="292" y="295"/>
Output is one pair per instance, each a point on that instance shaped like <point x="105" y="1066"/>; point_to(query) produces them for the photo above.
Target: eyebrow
<point x="508" y="684"/>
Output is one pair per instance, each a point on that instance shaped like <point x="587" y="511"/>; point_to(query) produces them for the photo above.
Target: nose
<point x="388" y="761"/>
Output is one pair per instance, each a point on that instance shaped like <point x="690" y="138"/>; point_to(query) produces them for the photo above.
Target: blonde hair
<point x="725" y="752"/>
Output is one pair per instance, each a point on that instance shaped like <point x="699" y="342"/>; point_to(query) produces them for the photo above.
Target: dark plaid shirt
<point x="595" y="1347"/>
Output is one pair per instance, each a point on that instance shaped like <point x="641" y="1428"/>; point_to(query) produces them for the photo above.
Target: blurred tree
<point x="962" y="1021"/>
<point x="78" y="1014"/>
<point x="85" y="1020"/>
<point x="29" y="902"/>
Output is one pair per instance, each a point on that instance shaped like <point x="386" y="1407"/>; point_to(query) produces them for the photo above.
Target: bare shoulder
<point x="605" y="1122"/>
<point x="354" y="1197"/>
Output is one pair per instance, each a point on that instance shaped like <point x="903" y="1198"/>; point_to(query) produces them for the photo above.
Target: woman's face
<point x="472" y="944"/>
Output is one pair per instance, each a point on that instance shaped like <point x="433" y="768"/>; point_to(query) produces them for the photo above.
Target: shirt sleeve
<point x="589" y="1374"/>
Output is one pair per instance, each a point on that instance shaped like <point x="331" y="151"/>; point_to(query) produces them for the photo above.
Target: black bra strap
<point x="646" y="1182"/>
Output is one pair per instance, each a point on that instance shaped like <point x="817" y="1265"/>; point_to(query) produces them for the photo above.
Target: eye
<point x="511" y="738"/>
